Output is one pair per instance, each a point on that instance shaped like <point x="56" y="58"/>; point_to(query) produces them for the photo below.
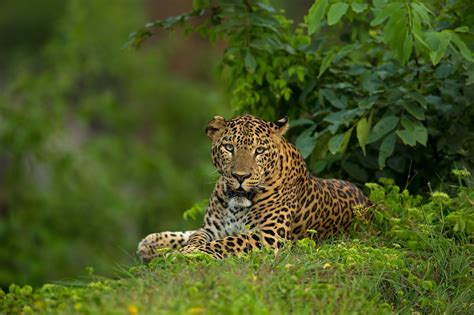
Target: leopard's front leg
<point x="236" y="245"/>
<point x="242" y="243"/>
<point x="147" y="248"/>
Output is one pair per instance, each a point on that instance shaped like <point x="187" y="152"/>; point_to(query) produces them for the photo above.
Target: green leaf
<point x="371" y="82"/>
<point x="196" y="210"/>
<point x="266" y="7"/>
<point x="359" y="7"/>
<point x="444" y="70"/>
<point x="438" y="43"/>
<point x="363" y="129"/>
<point x="382" y="127"/>
<point x="269" y="43"/>
<point x="318" y="166"/>
<point x="345" y="140"/>
<point x="418" y="130"/>
<point x="462" y="29"/>
<point x="306" y="142"/>
<point x="463" y="49"/>
<point x="379" y="3"/>
<point x="387" y="11"/>
<point x="335" y="143"/>
<point x="301" y="122"/>
<point x="422" y="11"/>
<point x="407" y="136"/>
<point x="386" y="149"/>
<point x="407" y="47"/>
<point x="335" y="118"/>
<point x="344" y="51"/>
<point x="315" y="16"/>
<point x="326" y="63"/>
<point x="336" y="12"/>
<point x="300" y="73"/>
<point x="396" y="32"/>
<point x="333" y="99"/>
<point x="415" y="110"/>
<point x="421" y="135"/>
<point x="421" y="41"/>
<point x="250" y="62"/>
<point x="417" y="96"/>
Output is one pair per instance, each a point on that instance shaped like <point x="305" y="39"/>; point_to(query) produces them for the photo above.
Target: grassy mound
<point x="415" y="257"/>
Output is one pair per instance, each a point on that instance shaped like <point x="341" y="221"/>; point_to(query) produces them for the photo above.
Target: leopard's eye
<point x="259" y="150"/>
<point x="229" y="147"/>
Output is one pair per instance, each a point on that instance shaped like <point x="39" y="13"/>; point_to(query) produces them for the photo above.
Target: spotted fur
<point x="264" y="196"/>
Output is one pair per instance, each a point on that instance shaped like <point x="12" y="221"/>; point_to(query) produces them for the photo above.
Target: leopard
<point x="264" y="196"/>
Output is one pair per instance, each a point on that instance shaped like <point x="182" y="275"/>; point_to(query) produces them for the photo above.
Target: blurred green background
<point x="99" y="145"/>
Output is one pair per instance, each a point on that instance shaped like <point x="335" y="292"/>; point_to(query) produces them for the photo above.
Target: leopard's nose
<point x="241" y="176"/>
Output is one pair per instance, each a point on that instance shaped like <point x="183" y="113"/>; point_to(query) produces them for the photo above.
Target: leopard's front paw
<point x="148" y="247"/>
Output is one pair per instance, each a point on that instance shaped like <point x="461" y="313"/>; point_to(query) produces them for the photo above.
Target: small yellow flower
<point x="196" y="310"/>
<point x="327" y="265"/>
<point x="133" y="309"/>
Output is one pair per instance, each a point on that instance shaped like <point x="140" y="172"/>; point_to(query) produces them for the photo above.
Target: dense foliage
<point x="376" y="88"/>
<point x="405" y="262"/>
<point x="91" y="141"/>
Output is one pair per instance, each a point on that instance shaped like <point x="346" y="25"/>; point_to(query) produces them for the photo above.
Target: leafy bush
<point x="412" y="221"/>
<point x="376" y="88"/>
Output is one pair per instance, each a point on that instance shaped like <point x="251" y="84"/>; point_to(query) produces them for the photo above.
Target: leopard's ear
<point x="215" y="127"/>
<point x="282" y="126"/>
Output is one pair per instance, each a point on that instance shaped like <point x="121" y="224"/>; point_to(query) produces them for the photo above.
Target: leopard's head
<point x="245" y="151"/>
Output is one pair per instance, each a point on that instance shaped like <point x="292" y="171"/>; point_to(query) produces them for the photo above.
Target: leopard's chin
<point x="240" y="198"/>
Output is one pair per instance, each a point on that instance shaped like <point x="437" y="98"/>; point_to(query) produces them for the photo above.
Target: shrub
<point x="375" y="88"/>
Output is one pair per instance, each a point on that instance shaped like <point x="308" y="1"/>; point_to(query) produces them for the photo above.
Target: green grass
<point x="414" y="257"/>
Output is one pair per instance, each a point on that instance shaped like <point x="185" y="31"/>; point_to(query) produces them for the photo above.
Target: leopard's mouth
<point x="240" y="192"/>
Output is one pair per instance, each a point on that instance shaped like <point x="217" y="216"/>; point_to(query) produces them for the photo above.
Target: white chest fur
<point x="235" y="220"/>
